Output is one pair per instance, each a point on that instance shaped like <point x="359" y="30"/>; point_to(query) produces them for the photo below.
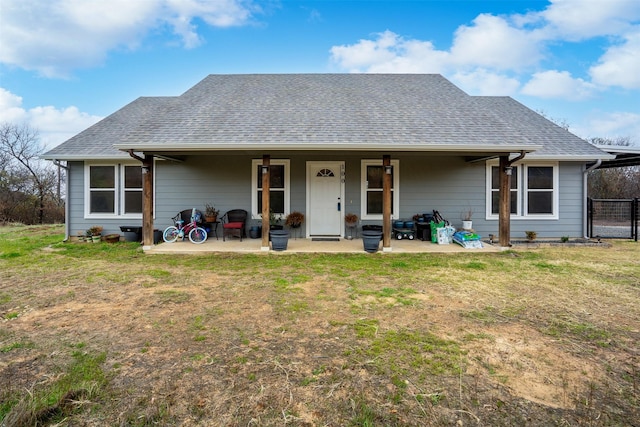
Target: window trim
<point x="363" y="188"/>
<point x="118" y="190"/>
<point x="523" y="191"/>
<point x="490" y="191"/>
<point x="124" y="189"/>
<point x="254" y="185"/>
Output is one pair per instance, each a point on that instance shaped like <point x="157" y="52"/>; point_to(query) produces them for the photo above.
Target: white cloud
<point x="489" y="43"/>
<point x="614" y="124"/>
<point x="56" y="36"/>
<point x="484" y="82"/>
<point x="10" y="107"/>
<point x="620" y="65"/>
<point x="54" y="125"/>
<point x="579" y="19"/>
<point x="220" y="13"/>
<point x="366" y="53"/>
<point x="493" y="42"/>
<point x="558" y="84"/>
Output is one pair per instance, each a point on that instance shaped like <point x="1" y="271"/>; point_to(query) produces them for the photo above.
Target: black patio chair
<point x="234" y="222"/>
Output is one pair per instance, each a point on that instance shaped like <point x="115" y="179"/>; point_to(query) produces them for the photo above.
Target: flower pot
<point x="96" y="239"/>
<point x="371" y="240"/>
<point x="279" y="240"/>
<point x="210" y="219"/>
<point x="467" y="225"/>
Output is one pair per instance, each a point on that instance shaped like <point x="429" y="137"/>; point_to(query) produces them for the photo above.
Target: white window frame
<point x="555" y="197"/>
<point x="523" y="190"/>
<point x="364" y="188"/>
<point x="123" y="190"/>
<point x="118" y="190"/>
<point x="490" y="191"/>
<point x="254" y="185"/>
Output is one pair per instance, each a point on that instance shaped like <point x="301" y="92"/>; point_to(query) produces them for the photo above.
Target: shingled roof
<point x="392" y="112"/>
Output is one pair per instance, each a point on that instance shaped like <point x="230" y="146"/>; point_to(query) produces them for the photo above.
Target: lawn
<point x="102" y="334"/>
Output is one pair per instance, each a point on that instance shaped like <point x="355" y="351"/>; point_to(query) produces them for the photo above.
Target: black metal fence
<point x="613" y="218"/>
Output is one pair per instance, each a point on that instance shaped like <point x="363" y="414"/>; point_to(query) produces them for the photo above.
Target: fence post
<point x="634" y="218"/>
<point x="589" y="217"/>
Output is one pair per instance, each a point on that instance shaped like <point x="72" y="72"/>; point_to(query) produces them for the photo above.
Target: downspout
<point x="135" y="156"/>
<point x="520" y="157"/>
<point x="586" y="200"/>
<point x="66" y="202"/>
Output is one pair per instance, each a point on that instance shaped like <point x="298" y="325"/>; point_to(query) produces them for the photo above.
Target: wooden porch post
<point x="386" y="203"/>
<point x="147" y="200"/>
<point x="266" y="187"/>
<point x="504" y="213"/>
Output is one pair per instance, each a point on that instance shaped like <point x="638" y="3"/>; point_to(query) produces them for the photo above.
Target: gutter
<point x="204" y="147"/>
<point x="585" y="174"/>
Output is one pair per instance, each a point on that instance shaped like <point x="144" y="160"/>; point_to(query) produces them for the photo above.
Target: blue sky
<point x="64" y="64"/>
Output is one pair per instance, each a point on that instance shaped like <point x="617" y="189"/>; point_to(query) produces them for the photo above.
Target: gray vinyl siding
<point x="444" y="183"/>
<point x="75" y="198"/>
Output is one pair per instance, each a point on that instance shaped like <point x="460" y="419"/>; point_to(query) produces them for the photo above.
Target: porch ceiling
<point x="624" y="156"/>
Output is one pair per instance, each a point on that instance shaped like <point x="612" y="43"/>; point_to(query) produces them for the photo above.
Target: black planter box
<point x="131" y="233"/>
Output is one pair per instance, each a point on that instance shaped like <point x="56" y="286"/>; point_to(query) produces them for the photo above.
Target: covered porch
<point x="462" y="158"/>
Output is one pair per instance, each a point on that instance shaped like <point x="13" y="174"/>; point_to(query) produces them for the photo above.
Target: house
<point x="380" y="146"/>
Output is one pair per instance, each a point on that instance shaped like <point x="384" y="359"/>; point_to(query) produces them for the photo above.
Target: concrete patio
<point x="308" y="245"/>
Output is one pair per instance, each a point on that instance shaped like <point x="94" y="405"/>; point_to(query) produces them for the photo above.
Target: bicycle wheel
<point x="170" y="234"/>
<point x="198" y="235"/>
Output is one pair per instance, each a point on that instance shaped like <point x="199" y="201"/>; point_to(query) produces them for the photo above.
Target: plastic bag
<point x="443" y="236"/>
<point x="434" y="230"/>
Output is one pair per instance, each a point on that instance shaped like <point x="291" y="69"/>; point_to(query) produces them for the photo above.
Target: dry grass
<point x="540" y="337"/>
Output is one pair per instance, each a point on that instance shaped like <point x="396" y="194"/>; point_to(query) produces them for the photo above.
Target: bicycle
<point x="196" y="234"/>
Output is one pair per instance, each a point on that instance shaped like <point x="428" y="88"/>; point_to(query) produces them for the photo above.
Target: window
<point x="278" y="187"/>
<point x="372" y="178"/>
<point x="113" y="190"/>
<point x="540" y="190"/>
<point x="495" y="191"/>
<point x="534" y="191"/>
<point x="132" y="189"/>
<point x="102" y="190"/>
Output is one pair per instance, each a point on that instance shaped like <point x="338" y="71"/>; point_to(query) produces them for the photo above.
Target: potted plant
<point x="466" y="216"/>
<point x="211" y="213"/>
<point x="274" y="221"/>
<point x="95" y="232"/>
<point x="531" y="235"/>
<point x="351" y="219"/>
<point x="294" y="219"/>
<point x="112" y="238"/>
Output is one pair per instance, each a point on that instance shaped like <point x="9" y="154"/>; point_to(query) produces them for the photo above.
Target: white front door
<point x="325" y="194"/>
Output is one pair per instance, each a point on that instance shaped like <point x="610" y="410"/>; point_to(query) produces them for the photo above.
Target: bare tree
<point x="562" y="122"/>
<point x="622" y="141"/>
<point x="26" y="181"/>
